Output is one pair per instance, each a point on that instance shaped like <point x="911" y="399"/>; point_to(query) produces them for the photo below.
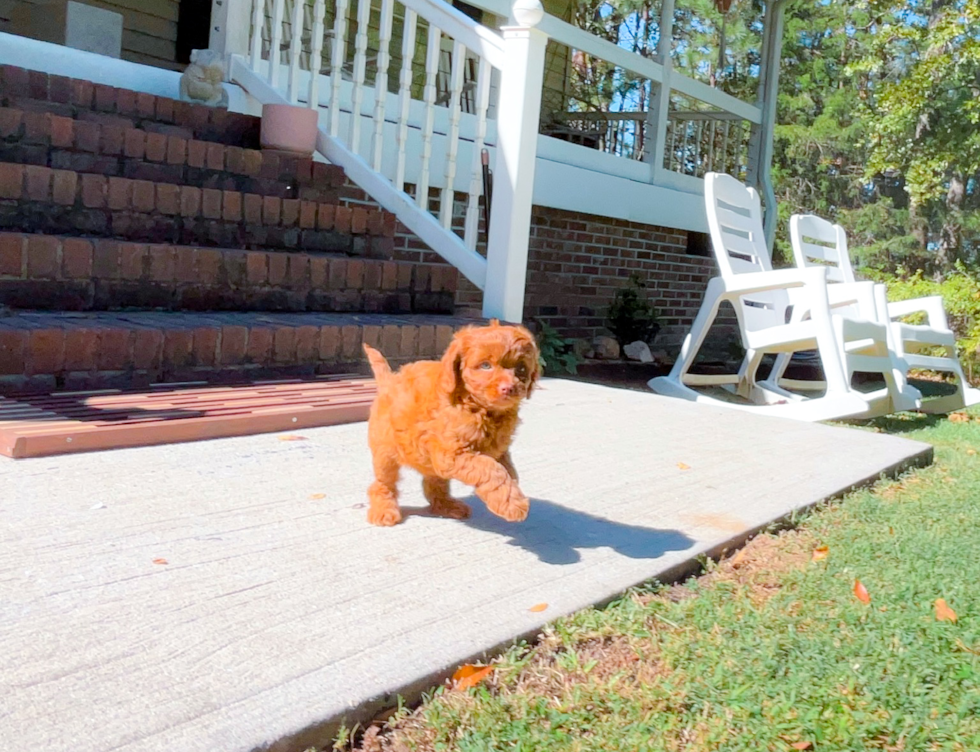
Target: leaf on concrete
<point x="160" y="561"/>
<point x="683" y="466"/>
<point x="861" y="592"/>
<point x="538" y="608"/>
<point x="820" y="553"/>
<point x="292" y="437"/>
<point x="469" y="676"/>
<point x="944" y="612"/>
<point x="318" y="496"/>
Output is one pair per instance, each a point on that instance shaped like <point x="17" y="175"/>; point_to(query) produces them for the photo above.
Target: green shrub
<point x="631" y="317"/>
<point x="960" y="292"/>
<point x="557" y="352"/>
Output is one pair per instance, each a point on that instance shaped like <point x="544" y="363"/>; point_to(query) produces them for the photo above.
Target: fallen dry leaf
<point x="538" y="608"/>
<point x="861" y="592"/>
<point x="160" y="561"/>
<point x="318" y="496"/>
<point x="802" y="745"/>
<point x="944" y="612"/>
<point x="469" y="676"/>
<point x="292" y="437"/>
<point x="739" y="559"/>
<point x="959" y="418"/>
<point x="820" y="553"/>
<point x="971" y="450"/>
<point x="683" y="466"/>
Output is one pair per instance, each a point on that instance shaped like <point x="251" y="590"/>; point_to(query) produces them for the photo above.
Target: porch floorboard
<point x="230" y="596"/>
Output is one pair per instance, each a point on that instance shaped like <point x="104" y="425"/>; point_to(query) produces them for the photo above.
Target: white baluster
<point x="295" y="48"/>
<point x="316" y="52"/>
<point x="476" y="174"/>
<point x="432" y="50"/>
<point x="405" y="93"/>
<point x="672" y="154"/>
<point x="724" y="146"/>
<point x="338" y="55"/>
<point x="258" y="17"/>
<point x="360" y="63"/>
<point x="452" y="146"/>
<point x="381" y="81"/>
<point x="698" y="161"/>
<point x="275" y="50"/>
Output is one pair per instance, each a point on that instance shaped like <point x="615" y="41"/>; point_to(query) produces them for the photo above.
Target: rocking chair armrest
<point x="777" y="279"/>
<point x="931" y="306"/>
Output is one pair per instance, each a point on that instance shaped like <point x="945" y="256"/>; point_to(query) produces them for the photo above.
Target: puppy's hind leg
<point x="436" y="492"/>
<point x="383" y="493"/>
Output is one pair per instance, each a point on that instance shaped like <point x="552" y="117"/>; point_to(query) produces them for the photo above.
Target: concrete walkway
<point x="229" y="595"/>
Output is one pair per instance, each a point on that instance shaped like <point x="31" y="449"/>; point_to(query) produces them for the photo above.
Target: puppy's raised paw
<point x="451" y="508"/>
<point x="384" y="516"/>
<point x="515" y="508"/>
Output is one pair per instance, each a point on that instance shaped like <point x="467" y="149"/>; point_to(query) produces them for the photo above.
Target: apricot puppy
<point x="453" y="418"/>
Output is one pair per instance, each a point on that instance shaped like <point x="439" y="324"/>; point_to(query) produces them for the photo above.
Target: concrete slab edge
<point x="325" y="732"/>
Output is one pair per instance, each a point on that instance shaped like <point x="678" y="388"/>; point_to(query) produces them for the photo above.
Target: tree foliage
<point x="879" y="127"/>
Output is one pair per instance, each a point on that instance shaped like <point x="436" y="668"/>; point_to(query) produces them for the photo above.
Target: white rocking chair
<point x="762" y="298"/>
<point x="818" y="242"/>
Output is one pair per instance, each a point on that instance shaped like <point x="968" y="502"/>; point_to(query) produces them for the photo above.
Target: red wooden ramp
<point x="65" y="422"/>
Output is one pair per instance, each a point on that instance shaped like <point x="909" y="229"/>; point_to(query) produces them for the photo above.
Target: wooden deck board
<point x="69" y="422"/>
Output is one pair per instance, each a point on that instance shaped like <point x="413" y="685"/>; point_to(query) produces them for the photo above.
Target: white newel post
<point x="518" y="111"/>
<point x="230" y="21"/>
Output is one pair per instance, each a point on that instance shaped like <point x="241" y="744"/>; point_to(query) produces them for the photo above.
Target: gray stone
<point x="581" y="348"/>
<point x="638" y="350"/>
<point x="605" y="348"/>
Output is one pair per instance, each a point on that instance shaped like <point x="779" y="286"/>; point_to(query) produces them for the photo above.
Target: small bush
<point x="631" y="317"/>
<point x="557" y="352"/>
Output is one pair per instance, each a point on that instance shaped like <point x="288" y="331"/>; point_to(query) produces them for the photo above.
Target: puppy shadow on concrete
<point x="555" y="534"/>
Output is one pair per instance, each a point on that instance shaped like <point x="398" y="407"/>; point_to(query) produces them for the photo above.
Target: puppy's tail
<point x="380" y="367"/>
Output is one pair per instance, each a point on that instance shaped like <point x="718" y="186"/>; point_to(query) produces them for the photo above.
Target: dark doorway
<point x="193" y="28"/>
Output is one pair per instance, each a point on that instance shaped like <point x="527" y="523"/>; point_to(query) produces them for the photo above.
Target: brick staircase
<point x="147" y="240"/>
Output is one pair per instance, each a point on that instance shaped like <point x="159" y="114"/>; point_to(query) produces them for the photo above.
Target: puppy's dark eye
<point x="485" y="365"/>
<point x="521" y="370"/>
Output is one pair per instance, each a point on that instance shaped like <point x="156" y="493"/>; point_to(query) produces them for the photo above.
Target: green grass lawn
<point x="768" y="650"/>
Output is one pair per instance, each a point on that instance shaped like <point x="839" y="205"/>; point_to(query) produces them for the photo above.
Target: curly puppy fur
<point x="453" y="418"/>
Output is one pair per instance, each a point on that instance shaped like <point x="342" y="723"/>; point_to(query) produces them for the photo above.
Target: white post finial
<point x="527" y="13"/>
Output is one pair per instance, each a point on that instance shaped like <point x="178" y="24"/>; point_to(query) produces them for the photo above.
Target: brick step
<point x="108" y="105"/>
<point x="49" y="272"/>
<point x="43" y="352"/>
<point x="46" y="140"/>
<point x="64" y="202"/>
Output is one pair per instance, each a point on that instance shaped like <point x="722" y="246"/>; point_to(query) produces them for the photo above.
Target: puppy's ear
<point x="449" y="379"/>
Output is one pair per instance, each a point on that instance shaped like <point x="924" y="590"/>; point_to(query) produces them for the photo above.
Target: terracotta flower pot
<point x="289" y="128"/>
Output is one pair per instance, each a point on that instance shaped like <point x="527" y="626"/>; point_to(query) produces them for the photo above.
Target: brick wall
<point x="577" y="261"/>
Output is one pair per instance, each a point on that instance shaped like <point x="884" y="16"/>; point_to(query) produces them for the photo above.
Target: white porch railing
<point x="411" y="91"/>
<point x="696" y="143"/>
<point x="384" y="119"/>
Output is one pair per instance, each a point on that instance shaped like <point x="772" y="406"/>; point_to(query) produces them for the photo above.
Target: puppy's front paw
<point x="451" y="508"/>
<point x="515" y="507"/>
<point x="384" y="516"/>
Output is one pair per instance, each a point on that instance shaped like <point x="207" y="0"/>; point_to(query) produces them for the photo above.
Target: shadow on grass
<point x="556" y="534"/>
